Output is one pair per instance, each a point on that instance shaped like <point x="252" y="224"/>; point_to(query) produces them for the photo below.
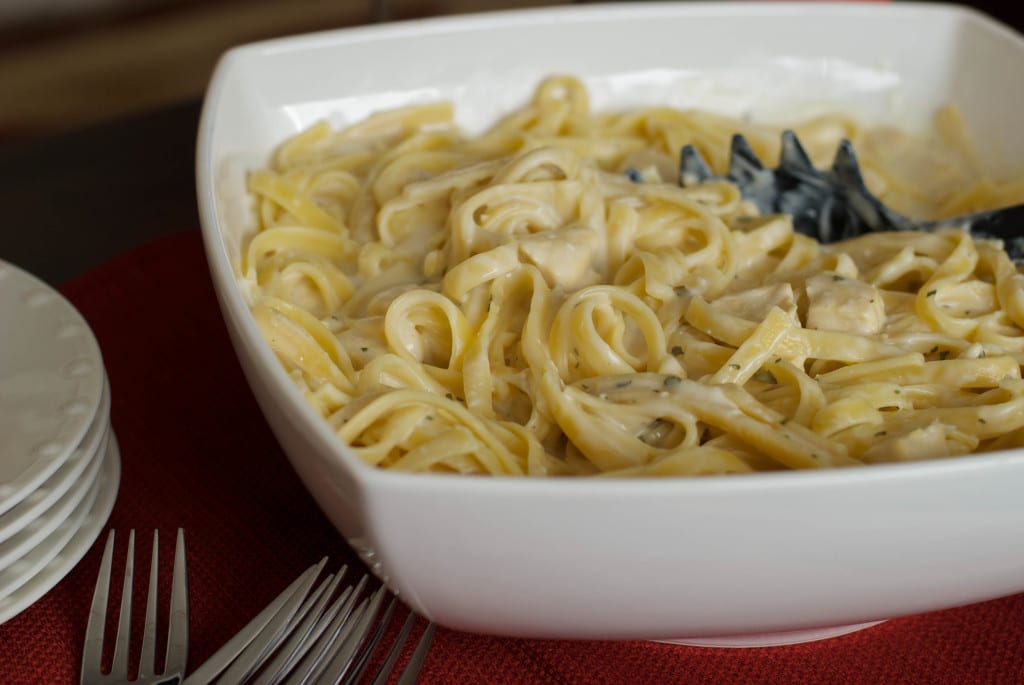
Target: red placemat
<point x="196" y="453"/>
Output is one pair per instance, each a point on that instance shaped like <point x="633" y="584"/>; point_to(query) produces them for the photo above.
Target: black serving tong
<point x="835" y="204"/>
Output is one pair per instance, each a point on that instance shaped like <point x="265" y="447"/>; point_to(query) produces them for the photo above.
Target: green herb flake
<point x="677" y="350"/>
<point x="624" y="384"/>
<point x="931" y="293"/>
<point x="654" y="432"/>
<point x="734" y="366"/>
<point x="671" y="381"/>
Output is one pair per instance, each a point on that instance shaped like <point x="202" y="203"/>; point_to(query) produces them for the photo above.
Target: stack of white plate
<point x="59" y="463"/>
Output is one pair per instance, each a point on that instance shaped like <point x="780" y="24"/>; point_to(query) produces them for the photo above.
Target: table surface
<point x="107" y="210"/>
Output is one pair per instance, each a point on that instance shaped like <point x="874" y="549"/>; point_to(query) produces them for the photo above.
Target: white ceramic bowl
<point x="679" y="558"/>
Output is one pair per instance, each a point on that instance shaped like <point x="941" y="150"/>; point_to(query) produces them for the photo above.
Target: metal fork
<point x="177" y="631"/>
<point x="319" y="634"/>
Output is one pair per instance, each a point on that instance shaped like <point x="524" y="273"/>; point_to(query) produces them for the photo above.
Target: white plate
<point x="55" y="558"/>
<point x="51" y="381"/>
<point x="44" y="525"/>
<point x="20" y="570"/>
<point x="53" y="488"/>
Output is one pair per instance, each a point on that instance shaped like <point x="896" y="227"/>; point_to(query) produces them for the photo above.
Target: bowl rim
<point x="316" y="428"/>
<point x="609" y="12"/>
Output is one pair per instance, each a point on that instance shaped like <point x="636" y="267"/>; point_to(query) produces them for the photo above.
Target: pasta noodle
<point x="516" y="303"/>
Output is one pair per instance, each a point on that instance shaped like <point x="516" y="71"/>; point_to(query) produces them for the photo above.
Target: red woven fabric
<point x="196" y="453"/>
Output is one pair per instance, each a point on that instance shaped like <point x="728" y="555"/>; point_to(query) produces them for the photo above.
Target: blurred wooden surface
<point x="57" y="76"/>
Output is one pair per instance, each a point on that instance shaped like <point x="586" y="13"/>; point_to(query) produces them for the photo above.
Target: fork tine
<point x="257" y="652"/>
<point x="176" y="660"/>
<point x="177" y="638"/>
<point x="396" y="649"/>
<point x="412" y="669"/>
<point x="119" y="666"/>
<point x="147" y="660"/>
<point x="315" y="635"/>
<point x="343" y="657"/>
<point x="845" y="165"/>
<point x="693" y="170"/>
<point x="419" y="655"/>
<point x="275" y="617"/>
<point x="371" y="644"/>
<point x="92" y="654"/>
<point x="315" y="661"/>
<point x="339" y="620"/>
<point x="742" y="160"/>
<point x="793" y="157"/>
<point x="306" y="632"/>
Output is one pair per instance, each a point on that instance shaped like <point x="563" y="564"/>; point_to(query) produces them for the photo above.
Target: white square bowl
<point x="801" y="554"/>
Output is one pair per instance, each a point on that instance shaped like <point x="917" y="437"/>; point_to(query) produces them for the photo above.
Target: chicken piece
<point x="845" y="305"/>
<point x="754" y="304"/>
<point x="930" y="442"/>
<point x="564" y="256"/>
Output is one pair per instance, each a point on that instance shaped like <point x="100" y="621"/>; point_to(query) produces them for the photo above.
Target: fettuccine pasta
<point x="545" y="299"/>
